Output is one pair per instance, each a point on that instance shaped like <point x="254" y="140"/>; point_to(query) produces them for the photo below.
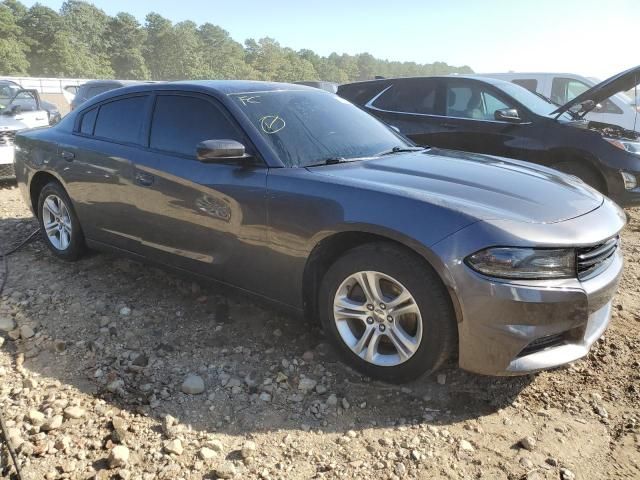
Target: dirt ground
<point x="93" y="387"/>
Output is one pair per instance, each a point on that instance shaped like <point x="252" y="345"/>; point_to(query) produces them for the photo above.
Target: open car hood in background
<point x="618" y="83"/>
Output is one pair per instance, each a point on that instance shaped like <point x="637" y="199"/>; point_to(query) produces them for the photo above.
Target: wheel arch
<point x="332" y="246"/>
<point x="37" y="183"/>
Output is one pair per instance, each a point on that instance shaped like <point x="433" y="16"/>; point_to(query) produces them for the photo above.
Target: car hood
<point x="481" y="186"/>
<point x="621" y="82"/>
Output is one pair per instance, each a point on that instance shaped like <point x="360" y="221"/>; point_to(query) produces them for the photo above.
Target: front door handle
<point x="144" y="179"/>
<point x="449" y="126"/>
<point x="68" y="156"/>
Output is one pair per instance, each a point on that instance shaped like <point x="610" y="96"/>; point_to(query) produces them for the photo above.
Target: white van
<point x="561" y="88"/>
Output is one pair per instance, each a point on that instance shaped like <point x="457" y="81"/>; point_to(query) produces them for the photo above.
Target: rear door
<point x="205" y="217"/>
<point x="412" y="105"/>
<point x="98" y="169"/>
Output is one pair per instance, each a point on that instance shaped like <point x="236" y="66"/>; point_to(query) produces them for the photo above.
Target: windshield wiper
<point x="401" y="150"/>
<point x="328" y="161"/>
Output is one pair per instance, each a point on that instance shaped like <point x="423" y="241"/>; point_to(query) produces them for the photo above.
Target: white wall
<point x="46" y="85"/>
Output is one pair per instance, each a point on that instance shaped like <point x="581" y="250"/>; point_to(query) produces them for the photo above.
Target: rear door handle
<point x="68" y="156"/>
<point x="449" y="126"/>
<point x="144" y="179"/>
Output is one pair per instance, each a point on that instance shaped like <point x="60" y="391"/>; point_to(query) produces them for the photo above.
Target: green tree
<point x="83" y="41"/>
<point x="224" y="57"/>
<point x="13" y="49"/>
<point x="87" y="29"/>
<point x="158" y="51"/>
<point x="127" y="40"/>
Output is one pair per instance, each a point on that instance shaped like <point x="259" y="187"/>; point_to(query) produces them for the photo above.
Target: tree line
<point x="82" y="41"/>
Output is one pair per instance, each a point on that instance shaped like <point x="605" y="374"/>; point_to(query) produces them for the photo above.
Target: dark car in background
<point x="407" y="256"/>
<point x="10" y="89"/>
<point x="95" y="87"/>
<point x="485" y="115"/>
<point x="328" y="86"/>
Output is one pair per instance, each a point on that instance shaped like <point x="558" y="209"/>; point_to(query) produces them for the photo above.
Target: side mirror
<point x="220" y="150"/>
<point x="510" y="115"/>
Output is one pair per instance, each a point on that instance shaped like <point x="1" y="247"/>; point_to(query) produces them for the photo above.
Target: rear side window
<point x="88" y="121"/>
<point x="530" y="84"/>
<point x="417" y="96"/>
<point x="180" y="122"/>
<point x="121" y="120"/>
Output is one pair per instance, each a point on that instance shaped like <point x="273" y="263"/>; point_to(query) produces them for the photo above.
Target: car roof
<point x="229" y="87"/>
<point x="123" y="83"/>
<point x="224" y="87"/>
<point x="4" y="80"/>
<point x="490" y="80"/>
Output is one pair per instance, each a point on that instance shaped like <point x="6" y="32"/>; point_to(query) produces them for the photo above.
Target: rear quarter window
<point x="415" y="96"/>
<point x="88" y="121"/>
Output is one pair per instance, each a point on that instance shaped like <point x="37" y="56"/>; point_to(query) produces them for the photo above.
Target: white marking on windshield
<point x="272" y="124"/>
<point x="245" y="99"/>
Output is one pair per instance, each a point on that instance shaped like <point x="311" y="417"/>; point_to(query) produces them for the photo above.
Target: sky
<point x="588" y="37"/>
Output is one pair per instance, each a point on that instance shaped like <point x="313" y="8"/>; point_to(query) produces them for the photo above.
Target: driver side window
<point x="180" y="122"/>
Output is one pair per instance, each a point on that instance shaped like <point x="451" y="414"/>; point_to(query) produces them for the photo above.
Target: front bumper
<point x="517" y="327"/>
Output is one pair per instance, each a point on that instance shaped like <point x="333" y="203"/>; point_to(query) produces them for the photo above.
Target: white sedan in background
<point x="19" y="109"/>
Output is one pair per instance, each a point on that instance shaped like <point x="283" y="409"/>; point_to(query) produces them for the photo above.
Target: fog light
<point x="630" y="181"/>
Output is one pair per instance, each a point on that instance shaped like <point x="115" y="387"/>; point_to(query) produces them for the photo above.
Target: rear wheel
<point x="584" y="172"/>
<point x="59" y="225"/>
<point x="388" y="313"/>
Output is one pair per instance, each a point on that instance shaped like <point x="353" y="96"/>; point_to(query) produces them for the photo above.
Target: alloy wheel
<point x="57" y="222"/>
<point x="377" y="318"/>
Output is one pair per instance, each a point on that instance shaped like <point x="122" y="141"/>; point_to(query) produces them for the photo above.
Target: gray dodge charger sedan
<point x="406" y="256"/>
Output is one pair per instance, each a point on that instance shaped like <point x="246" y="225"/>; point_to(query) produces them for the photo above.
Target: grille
<point x="7" y="138"/>
<point x="7" y="171"/>
<point x="543" y="343"/>
<point x="592" y="260"/>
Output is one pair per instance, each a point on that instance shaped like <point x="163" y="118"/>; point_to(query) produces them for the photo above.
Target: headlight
<point x="631" y="147"/>
<point x="524" y="263"/>
<point x="629" y="179"/>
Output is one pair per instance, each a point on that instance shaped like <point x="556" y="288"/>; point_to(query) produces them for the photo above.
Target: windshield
<point x="536" y="103"/>
<point x="308" y="127"/>
<point x="7" y="92"/>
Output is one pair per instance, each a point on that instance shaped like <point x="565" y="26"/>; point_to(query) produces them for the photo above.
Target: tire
<point x="427" y="319"/>
<point x="55" y="209"/>
<point x="584" y="172"/>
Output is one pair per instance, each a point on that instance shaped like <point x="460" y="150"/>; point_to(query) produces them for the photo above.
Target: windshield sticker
<point x="246" y="99"/>
<point x="272" y="124"/>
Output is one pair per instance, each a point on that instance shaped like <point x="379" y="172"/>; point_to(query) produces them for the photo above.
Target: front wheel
<point x="59" y="225"/>
<point x="388" y="313"/>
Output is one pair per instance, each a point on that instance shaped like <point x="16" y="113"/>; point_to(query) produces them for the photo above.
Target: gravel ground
<point x="113" y="369"/>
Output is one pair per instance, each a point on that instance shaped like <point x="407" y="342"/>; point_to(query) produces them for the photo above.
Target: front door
<point x="204" y="217"/>
<point x="471" y="123"/>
